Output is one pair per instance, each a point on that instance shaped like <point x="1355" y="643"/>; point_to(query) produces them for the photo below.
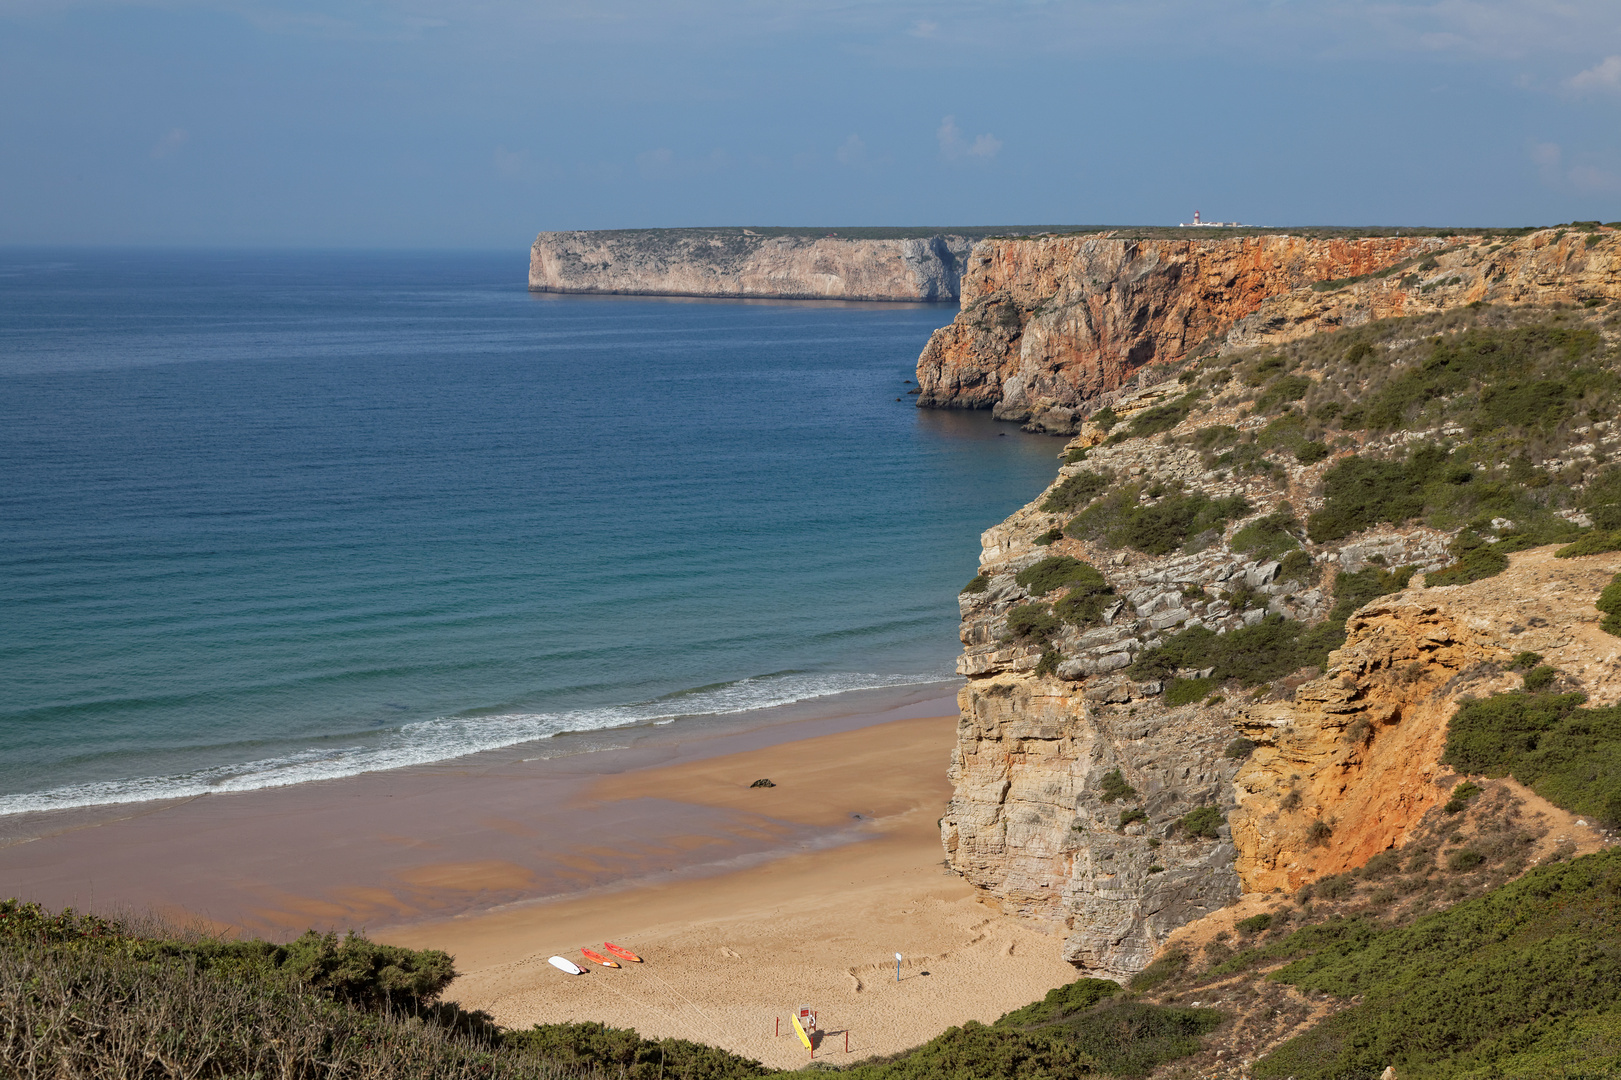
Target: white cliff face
<point x="739" y="263"/>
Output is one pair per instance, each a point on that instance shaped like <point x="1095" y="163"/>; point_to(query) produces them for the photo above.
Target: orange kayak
<point x="598" y="957"/>
<point x="623" y="954"/>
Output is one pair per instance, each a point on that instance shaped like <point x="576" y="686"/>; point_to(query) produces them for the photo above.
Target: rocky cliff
<point x="1051" y="325"/>
<point x="1176" y="693"/>
<point x="745" y="263"/>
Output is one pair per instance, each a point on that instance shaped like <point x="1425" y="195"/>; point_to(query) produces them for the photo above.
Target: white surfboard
<point x="565" y="965"/>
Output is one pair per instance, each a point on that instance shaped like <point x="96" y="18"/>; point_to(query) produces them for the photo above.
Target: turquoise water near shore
<point x="275" y="517"/>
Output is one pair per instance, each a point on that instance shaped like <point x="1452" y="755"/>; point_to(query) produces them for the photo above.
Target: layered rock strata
<point x="1039" y="821"/>
<point x="740" y="263"/>
<point x="1050" y="326"/>
<point x="1359" y="749"/>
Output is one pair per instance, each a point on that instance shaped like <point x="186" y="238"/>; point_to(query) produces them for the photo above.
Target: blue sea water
<point x="276" y="517"/>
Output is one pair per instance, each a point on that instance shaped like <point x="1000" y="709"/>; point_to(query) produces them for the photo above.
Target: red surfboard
<point x="598" y="958"/>
<point x="622" y="953"/>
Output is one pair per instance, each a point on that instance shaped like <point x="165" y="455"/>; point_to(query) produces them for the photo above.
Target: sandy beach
<point x="727" y="956"/>
<point x="746" y="902"/>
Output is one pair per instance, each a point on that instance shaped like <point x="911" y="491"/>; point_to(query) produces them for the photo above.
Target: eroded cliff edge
<point x="1122" y="767"/>
<point x="1051" y="325"/>
<point x="743" y="263"/>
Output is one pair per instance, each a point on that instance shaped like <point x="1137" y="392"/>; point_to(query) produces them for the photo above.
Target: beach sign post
<point x="897" y="967"/>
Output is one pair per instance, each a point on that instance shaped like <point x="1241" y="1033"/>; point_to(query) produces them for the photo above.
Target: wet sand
<point x="746" y="902"/>
<point x="435" y="841"/>
<point x="726" y="957"/>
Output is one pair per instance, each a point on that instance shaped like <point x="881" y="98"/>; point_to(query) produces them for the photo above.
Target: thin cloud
<point x="1605" y="75"/>
<point x="953" y="146"/>
<point x="851" y="152"/>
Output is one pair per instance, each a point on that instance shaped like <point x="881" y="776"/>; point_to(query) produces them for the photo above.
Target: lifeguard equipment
<point x="799" y="1029"/>
<point x="621" y="952"/>
<point x="597" y="957"/>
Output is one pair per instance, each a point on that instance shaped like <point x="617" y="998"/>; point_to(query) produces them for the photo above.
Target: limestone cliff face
<point x="740" y="263"/>
<point x="1031" y="822"/>
<point x="1359" y="749"/>
<point x="1051" y="324"/>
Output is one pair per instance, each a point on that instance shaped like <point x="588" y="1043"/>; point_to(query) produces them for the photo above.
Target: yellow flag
<point x="800" y="1031"/>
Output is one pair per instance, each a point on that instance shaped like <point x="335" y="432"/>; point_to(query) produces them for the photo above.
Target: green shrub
<point x="1239" y="748"/>
<point x="1284" y="390"/>
<point x="978" y="583"/>
<point x="1361" y="492"/>
<point x="1164" y="966"/>
<point x="1269" y="650"/>
<point x="1609" y="602"/>
<point x="1334" y="887"/>
<point x="1310" y="453"/>
<point x="1162" y="417"/>
<point x="1473" y="559"/>
<point x="1255" y="923"/>
<point x="1083" y="604"/>
<point x="1464" y="859"/>
<point x="1540" y="677"/>
<point x="1069" y="998"/>
<point x="1075" y="455"/>
<point x="1381" y="865"/>
<point x="1188" y="691"/>
<point x="1318" y="833"/>
<point x="1113" y="787"/>
<point x="1056" y="571"/>
<point x="1270" y="536"/>
<point x="1460" y="797"/>
<point x="1158" y="528"/>
<point x="1594" y="542"/>
<point x="1049" y="537"/>
<point x="1498" y="986"/>
<point x="1204" y="822"/>
<point x="1078" y="489"/>
<point x="621" y="1052"/>
<point x="1131" y="815"/>
<point x="1525" y="661"/>
<point x="1351" y="591"/>
<point x="1568" y="754"/>
<point x="1602" y="499"/>
<point x="1105" y="418"/>
<point x="1032" y="622"/>
<point x="1296" y="566"/>
<point x="1208" y="438"/>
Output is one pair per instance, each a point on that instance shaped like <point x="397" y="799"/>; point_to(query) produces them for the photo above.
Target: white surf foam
<point x="441" y="739"/>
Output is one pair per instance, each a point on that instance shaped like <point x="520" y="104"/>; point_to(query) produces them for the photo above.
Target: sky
<point x="477" y="123"/>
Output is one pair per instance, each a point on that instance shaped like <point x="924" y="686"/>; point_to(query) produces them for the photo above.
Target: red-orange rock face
<point x="1050" y="323"/>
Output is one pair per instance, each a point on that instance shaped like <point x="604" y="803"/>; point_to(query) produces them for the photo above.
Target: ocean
<point x="271" y="517"/>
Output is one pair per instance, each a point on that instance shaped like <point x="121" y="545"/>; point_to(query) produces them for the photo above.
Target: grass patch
<point x="977" y="584"/>
<point x="1032" y="622"/>
<point x="1568" y="754"/>
<point x="1473" y="559"/>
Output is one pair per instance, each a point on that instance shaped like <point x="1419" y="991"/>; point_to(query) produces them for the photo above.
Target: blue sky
<point x="426" y="123"/>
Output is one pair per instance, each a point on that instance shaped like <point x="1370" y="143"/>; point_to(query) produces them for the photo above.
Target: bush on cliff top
<point x="1056" y="571"/>
<point x="1517" y="983"/>
<point x="1609" y="602"/>
<point x="1568" y="754"/>
<point x="1157" y="528"/>
<point x="1270" y="649"/>
<point x="1078" y="489"/>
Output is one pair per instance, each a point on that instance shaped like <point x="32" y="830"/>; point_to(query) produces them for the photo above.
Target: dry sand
<point x="727" y="956"/>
